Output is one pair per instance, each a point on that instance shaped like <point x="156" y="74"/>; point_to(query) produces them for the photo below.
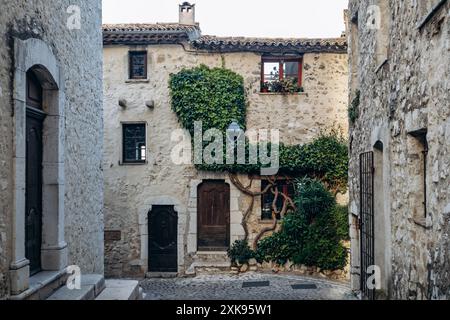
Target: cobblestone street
<point x="240" y="287"/>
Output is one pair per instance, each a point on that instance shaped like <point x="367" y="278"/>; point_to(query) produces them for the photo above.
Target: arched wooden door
<point x="213" y="216"/>
<point x="33" y="191"/>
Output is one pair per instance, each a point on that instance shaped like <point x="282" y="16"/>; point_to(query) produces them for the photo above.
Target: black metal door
<point x="163" y="226"/>
<point x="367" y="222"/>
<point x="33" y="192"/>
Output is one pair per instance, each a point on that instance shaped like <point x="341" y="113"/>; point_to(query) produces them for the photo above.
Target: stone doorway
<point x="163" y="234"/>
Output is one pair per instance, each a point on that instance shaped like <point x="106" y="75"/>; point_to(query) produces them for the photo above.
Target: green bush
<point x="240" y="252"/>
<point x="312" y="199"/>
<point x="276" y="248"/>
<point x="340" y="214"/>
<point x="312" y="235"/>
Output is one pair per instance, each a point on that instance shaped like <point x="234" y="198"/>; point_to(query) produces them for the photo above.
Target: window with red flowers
<point x="281" y="74"/>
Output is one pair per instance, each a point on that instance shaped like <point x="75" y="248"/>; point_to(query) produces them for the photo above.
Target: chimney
<point x="187" y="13"/>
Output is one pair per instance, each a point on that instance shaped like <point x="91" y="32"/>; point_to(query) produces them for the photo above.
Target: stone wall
<point x="79" y="55"/>
<point x="400" y="97"/>
<point x="131" y="190"/>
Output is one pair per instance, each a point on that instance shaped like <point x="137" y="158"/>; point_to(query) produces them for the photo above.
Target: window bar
<point x="425" y="156"/>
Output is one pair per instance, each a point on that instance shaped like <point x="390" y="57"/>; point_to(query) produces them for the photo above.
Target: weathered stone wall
<point x="408" y="93"/>
<point x="79" y="53"/>
<point x="131" y="190"/>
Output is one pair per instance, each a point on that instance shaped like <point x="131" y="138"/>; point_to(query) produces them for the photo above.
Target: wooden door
<point x="163" y="234"/>
<point x="33" y="173"/>
<point x="213" y="216"/>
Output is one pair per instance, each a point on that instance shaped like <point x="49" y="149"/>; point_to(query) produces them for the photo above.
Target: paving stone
<point x="227" y="286"/>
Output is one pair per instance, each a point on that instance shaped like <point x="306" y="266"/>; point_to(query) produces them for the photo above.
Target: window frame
<point x="420" y="147"/>
<point x="132" y="53"/>
<point x="122" y="145"/>
<point x="281" y="60"/>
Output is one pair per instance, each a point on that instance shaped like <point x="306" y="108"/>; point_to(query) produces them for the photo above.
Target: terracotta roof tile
<point x="172" y="33"/>
<point x="270" y="44"/>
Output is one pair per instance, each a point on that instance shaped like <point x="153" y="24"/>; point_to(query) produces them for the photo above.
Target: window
<point x="134" y="143"/>
<point x="138" y="64"/>
<point x="284" y="186"/>
<point x="418" y="160"/>
<point x="281" y="74"/>
<point x="34" y="91"/>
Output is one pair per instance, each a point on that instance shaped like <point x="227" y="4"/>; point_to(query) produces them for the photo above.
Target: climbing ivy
<point x="353" y="109"/>
<point x="216" y="96"/>
<point x="325" y="158"/>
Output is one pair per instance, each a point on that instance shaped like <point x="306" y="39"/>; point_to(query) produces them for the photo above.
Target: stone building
<point x="146" y="190"/>
<point x="399" y="53"/>
<point x="51" y="181"/>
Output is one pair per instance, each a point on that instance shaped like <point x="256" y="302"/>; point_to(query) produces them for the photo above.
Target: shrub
<point x="240" y="252"/>
<point x="276" y="248"/>
<point x="340" y="214"/>
<point x="312" y="235"/>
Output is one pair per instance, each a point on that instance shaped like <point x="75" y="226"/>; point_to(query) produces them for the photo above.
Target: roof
<point x="235" y="44"/>
<point x="146" y="33"/>
<point x="173" y="33"/>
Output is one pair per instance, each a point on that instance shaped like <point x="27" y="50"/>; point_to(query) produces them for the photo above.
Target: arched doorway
<point x="38" y="165"/>
<point x="213" y="214"/>
<point x="33" y="175"/>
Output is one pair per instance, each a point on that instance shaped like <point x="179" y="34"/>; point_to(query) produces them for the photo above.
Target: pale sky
<point x="251" y="18"/>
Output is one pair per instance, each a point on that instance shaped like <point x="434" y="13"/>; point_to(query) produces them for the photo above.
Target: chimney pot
<point x="187" y="13"/>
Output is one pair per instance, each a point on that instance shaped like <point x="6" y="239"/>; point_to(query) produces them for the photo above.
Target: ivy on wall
<point x="353" y="109"/>
<point x="216" y="96"/>
<point x="312" y="231"/>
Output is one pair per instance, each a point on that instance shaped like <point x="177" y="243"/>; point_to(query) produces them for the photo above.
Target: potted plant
<point x="276" y="86"/>
<point x="264" y="86"/>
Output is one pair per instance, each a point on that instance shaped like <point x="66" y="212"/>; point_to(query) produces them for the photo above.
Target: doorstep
<point x="43" y="285"/>
<point x="121" y="290"/>
<point x="91" y="286"/>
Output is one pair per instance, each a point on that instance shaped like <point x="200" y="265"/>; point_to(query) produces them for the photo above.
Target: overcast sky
<point x="251" y="18"/>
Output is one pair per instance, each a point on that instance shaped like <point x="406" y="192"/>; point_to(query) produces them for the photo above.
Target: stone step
<point x="207" y="266"/>
<point x="213" y="256"/>
<point x="43" y="285"/>
<point x="163" y="275"/>
<point x="121" y="290"/>
<point x="91" y="286"/>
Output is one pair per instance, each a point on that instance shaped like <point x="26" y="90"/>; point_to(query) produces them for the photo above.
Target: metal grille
<point x="366" y="221"/>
